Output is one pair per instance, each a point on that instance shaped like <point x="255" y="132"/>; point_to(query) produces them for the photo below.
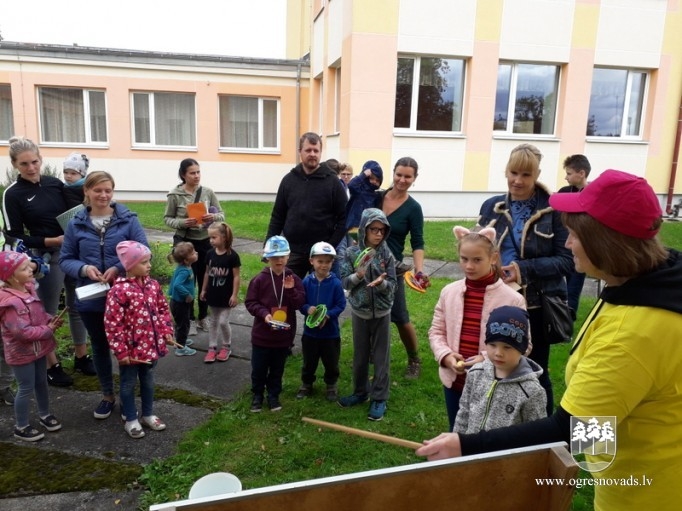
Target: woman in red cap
<point x="626" y="361"/>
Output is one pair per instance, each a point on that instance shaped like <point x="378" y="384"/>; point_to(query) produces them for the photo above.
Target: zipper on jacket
<point x="488" y="402"/>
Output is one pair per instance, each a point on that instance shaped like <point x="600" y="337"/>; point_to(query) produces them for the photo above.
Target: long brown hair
<point x="614" y="253"/>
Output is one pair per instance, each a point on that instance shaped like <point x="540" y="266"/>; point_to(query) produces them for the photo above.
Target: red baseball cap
<point x="624" y="202"/>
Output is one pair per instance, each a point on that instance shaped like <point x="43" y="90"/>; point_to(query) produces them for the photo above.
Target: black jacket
<point x="309" y="208"/>
<point x="34" y="207"/>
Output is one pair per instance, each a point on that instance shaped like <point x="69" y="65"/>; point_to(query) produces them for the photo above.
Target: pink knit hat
<point x="9" y="262"/>
<point x="131" y="252"/>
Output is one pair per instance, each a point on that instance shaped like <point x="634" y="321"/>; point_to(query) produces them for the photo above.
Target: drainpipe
<point x="673" y="169"/>
<point x="298" y="109"/>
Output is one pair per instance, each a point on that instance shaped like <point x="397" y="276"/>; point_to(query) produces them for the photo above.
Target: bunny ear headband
<point x="486" y="232"/>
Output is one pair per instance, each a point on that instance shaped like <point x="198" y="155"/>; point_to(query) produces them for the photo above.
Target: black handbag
<point x="556" y="319"/>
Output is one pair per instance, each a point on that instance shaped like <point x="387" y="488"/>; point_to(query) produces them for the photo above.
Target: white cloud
<point x="223" y="27"/>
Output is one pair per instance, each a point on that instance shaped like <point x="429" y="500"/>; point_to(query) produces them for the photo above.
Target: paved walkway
<point x="82" y="435"/>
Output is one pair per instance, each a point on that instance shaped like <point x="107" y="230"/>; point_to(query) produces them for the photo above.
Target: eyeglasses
<point x="377" y="230"/>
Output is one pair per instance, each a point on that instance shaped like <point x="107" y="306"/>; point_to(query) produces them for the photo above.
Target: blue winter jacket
<point x="84" y="245"/>
<point x="330" y="293"/>
<point x="543" y="260"/>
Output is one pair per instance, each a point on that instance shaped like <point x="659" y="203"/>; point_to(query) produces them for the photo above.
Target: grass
<point x="267" y="449"/>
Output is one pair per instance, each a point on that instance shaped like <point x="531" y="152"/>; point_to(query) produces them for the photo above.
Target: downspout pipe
<point x="673" y="169"/>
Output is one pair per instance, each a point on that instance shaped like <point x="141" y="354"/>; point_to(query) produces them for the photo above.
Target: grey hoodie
<point x="370" y="302"/>
<point x="488" y="403"/>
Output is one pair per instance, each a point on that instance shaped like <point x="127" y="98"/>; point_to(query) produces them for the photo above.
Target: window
<point x="616" y="103"/>
<point x="164" y="119"/>
<point x="6" y="115"/>
<point x="526" y="93"/>
<point x="70" y="115"/>
<point x="434" y="101"/>
<point x="249" y="123"/>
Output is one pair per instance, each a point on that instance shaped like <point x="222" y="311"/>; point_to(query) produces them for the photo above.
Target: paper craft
<point x="92" y="291"/>
<point x="196" y="210"/>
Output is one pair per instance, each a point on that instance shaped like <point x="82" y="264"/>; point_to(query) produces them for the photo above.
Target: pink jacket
<point x="446" y="325"/>
<point x="137" y="320"/>
<point x="23" y="321"/>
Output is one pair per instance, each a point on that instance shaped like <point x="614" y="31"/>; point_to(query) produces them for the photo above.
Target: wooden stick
<point x="366" y="434"/>
<point x="173" y="343"/>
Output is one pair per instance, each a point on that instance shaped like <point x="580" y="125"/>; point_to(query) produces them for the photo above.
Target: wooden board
<point x="499" y="481"/>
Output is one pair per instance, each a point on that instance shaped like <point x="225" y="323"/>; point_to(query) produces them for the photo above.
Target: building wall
<point x="458" y="170"/>
<point x="151" y="172"/>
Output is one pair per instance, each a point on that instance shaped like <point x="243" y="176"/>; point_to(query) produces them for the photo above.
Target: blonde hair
<point x="225" y="231"/>
<point x="95" y="178"/>
<point x="18" y="145"/>
<point x="483" y="239"/>
<point x="525" y="158"/>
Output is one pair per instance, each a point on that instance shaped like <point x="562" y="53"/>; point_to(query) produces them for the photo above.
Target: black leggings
<point x="199" y="268"/>
<point x="540" y="354"/>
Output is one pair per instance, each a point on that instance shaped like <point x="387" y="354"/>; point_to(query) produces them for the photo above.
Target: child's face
<point x="374" y="234"/>
<point x="374" y="181"/>
<point x="322" y="264"/>
<point x="504" y="357"/>
<point x="475" y="259"/>
<point x="142" y="268"/>
<point x="216" y="238"/>
<point x="278" y="263"/>
<point x="23" y="273"/>
<point x="71" y="176"/>
<point x="192" y="258"/>
<point x="575" y="178"/>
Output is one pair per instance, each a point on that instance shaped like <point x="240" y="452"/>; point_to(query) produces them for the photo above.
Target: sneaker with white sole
<point x="223" y="355"/>
<point x="377" y="409"/>
<point x="28" y="434"/>
<point x="153" y="422"/>
<point x="50" y="423"/>
<point x="134" y="429"/>
<point x="104" y="409"/>
<point x="185" y="352"/>
<point x="202" y="324"/>
<point x="192" y="328"/>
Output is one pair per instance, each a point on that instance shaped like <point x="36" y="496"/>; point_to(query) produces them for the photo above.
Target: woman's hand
<point x="510" y="274"/>
<point x="110" y="275"/>
<point x="93" y="273"/>
<point x="208" y="218"/>
<point x="191" y="222"/>
<point x="445" y="445"/>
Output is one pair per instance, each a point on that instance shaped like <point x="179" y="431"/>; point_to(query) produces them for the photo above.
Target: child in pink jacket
<point x="138" y="326"/>
<point x="457" y="333"/>
<point x="28" y="336"/>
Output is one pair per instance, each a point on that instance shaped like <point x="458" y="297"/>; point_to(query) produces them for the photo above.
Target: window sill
<point x="76" y="145"/>
<point x="249" y="151"/>
<point x="525" y="136"/>
<point x="192" y="149"/>
<point x="616" y="140"/>
<point x="428" y="134"/>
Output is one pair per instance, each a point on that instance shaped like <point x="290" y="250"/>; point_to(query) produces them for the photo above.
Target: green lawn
<point x="267" y="449"/>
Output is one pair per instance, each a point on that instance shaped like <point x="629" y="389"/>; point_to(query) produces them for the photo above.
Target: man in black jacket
<point x="310" y="205"/>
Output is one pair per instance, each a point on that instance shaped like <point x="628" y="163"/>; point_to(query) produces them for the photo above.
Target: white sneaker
<point x="134" y="429"/>
<point x="153" y="422"/>
<point x="203" y="324"/>
<point x="192" y="328"/>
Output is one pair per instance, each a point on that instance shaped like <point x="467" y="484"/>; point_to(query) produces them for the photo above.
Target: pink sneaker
<point x="224" y="354"/>
<point x="210" y="356"/>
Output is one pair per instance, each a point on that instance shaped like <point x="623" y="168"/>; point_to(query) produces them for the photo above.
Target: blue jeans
<point x="129" y="374"/>
<point x="31" y="380"/>
<point x="49" y="289"/>
<point x="101" y="357"/>
<point x="452" y="398"/>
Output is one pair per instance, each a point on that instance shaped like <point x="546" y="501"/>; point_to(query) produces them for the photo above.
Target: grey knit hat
<point x="78" y="162"/>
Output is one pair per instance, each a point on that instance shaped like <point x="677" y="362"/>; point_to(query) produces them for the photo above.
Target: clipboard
<point x="196" y="210"/>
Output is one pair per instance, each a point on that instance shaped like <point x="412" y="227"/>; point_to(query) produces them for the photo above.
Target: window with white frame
<point x="526" y="98"/>
<point x="429" y="94"/>
<point x="71" y="115"/>
<point x="6" y="115"/>
<point x="248" y="122"/>
<point x="337" y="100"/>
<point x="616" y="103"/>
<point x="164" y="119"/>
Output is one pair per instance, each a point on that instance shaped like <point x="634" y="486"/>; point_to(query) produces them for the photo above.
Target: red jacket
<point x="23" y="321"/>
<point x="136" y="319"/>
